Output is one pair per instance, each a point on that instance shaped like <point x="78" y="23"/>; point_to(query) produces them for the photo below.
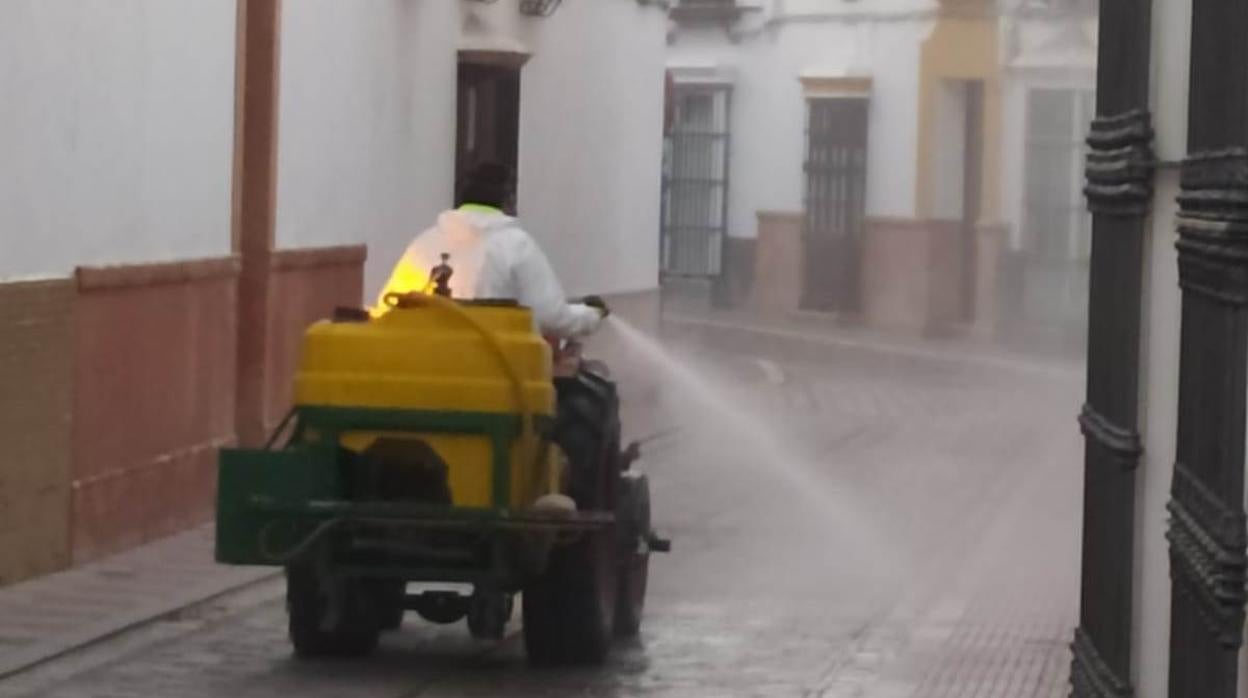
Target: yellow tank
<point x="439" y="357"/>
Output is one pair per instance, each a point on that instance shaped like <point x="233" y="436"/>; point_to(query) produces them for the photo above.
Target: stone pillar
<point x="911" y="275"/>
<point x="255" y="201"/>
<point x="778" y="268"/>
<point x="990" y="241"/>
<point x="36" y="403"/>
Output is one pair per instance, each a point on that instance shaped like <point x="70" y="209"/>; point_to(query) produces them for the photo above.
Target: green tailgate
<point x="253" y="483"/>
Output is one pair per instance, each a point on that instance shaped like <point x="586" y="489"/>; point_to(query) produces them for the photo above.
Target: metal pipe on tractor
<point x="435" y="444"/>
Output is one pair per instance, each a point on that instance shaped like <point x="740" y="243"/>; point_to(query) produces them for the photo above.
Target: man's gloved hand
<point x="597" y="303"/>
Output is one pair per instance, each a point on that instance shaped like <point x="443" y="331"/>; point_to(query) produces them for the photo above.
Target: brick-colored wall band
<point x="157" y="274"/>
<point x="318" y="257"/>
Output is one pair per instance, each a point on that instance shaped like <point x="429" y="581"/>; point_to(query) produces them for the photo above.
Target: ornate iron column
<point x="1119" y="191"/>
<point x="1207" y="529"/>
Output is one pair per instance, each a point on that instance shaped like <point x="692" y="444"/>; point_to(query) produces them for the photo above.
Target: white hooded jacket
<point x="493" y="257"/>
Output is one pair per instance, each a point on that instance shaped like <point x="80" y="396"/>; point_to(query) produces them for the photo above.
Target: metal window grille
<point x="836" y="188"/>
<point x="695" y="191"/>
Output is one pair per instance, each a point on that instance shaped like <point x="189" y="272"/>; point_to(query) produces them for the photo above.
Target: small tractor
<point x="435" y="461"/>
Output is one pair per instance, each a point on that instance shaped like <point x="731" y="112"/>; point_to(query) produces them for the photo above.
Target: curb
<point x="54" y="648"/>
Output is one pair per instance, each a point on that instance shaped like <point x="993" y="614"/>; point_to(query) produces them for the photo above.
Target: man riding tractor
<point x="478" y="253"/>
<point x="492" y="257"/>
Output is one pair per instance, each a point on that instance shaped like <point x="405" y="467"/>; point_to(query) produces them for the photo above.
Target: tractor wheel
<point x="488" y="614"/>
<point x="390" y="600"/>
<point x="631" y="599"/>
<point x="570" y="610"/>
<point x="336" y="619"/>
<point x="633" y="526"/>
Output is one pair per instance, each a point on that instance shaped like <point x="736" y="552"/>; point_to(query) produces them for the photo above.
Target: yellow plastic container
<point x="438" y="358"/>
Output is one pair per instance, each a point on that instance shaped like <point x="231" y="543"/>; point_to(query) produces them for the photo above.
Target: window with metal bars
<point x="695" y="192"/>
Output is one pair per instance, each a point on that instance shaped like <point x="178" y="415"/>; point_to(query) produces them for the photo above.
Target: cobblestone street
<point x="934" y="552"/>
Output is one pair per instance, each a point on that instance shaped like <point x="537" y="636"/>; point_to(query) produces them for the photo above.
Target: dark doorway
<point x="488" y="117"/>
<point x="836" y="187"/>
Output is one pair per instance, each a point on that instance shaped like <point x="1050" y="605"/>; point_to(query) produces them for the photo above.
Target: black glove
<point x="597" y="303"/>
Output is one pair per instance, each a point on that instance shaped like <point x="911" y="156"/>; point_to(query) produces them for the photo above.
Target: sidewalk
<point x="50" y="616"/>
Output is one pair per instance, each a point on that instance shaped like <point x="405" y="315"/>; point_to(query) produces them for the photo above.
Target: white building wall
<point x="1160" y="356"/>
<point x="591" y="142"/>
<point x="116" y="132"/>
<point x="769" y="107"/>
<point x="367" y="124"/>
<point x="1158" y="419"/>
<point x="367" y="140"/>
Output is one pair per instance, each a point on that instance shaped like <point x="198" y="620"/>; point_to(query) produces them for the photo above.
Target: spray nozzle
<point x="632" y="452"/>
<point x="441" y="277"/>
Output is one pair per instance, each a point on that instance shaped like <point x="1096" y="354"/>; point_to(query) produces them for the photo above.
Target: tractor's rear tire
<point x="633" y="527"/>
<point x="569" y="611"/>
<point x="352" y="632"/>
<point x="488" y="615"/>
<point x="631" y="598"/>
<point x="390" y="597"/>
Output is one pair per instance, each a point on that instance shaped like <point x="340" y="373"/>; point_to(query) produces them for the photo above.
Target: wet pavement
<point x="917" y="536"/>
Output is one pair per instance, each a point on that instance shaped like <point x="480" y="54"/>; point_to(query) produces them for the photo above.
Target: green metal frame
<point x="291" y="498"/>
